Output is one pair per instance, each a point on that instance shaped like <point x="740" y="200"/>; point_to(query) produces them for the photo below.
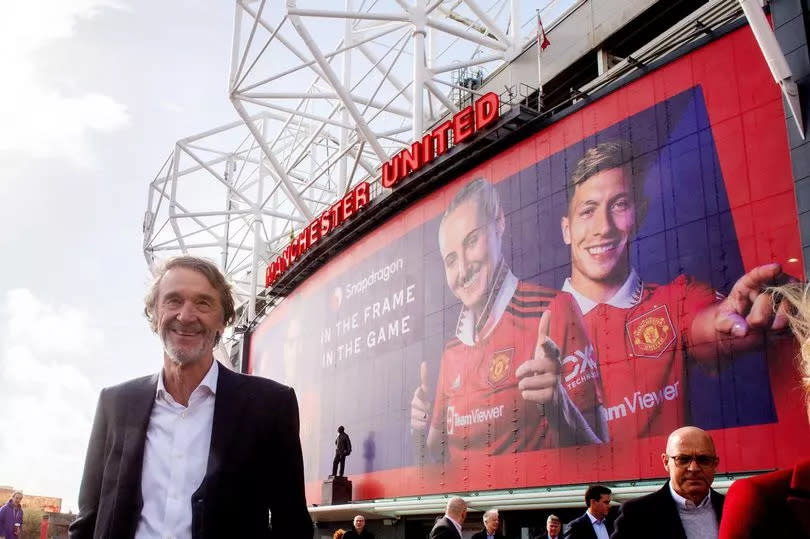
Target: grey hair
<point x="489" y="512"/>
<point x="200" y="265"/>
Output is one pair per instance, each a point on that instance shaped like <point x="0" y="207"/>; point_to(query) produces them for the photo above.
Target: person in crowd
<point x="594" y="524"/>
<point x="510" y="338"/>
<point x="686" y="506"/>
<point x="343" y="448"/>
<point x="777" y="504"/>
<point x="11" y="516"/>
<point x="553" y="528"/>
<point x="492" y="524"/>
<point x="644" y="332"/>
<point x="359" y="530"/>
<point x="196" y="450"/>
<point x="449" y="526"/>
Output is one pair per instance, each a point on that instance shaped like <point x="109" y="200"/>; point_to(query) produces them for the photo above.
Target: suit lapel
<point x="717" y="504"/>
<point x="139" y="402"/>
<point x="227" y="411"/>
<point x="670" y="519"/>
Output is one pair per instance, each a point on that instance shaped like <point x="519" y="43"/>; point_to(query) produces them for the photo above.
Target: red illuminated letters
<point x="463" y="126"/>
<point x="354" y="201"/>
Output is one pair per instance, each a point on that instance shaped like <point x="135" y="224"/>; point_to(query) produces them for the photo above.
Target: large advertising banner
<point x="552" y="315"/>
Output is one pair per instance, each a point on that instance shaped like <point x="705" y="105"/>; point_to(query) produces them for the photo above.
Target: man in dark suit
<point x="359" y="531"/>
<point x="593" y="524"/>
<point x="686" y="506"/>
<point x="195" y="451"/>
<point x="449" y="526"/>
<point x="492" y="521"/>
<point x="553" y="528"/>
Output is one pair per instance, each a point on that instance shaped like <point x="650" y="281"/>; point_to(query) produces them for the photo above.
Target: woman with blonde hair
<point x="777" y="504"/>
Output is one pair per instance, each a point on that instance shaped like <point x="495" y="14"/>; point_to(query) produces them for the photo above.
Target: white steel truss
<point x="325" y="94"/>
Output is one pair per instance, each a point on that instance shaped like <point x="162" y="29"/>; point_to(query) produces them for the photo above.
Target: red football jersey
<point x="478" y="405"/>
<point x="641" y="353"/>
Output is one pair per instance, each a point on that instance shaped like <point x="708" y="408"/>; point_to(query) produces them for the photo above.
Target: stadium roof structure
<point x="325" y="97"/>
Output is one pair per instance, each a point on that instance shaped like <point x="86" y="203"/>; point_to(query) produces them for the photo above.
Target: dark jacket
<point x="776" y="504"/>
<point x="10" y="515"/>
<point x="254" y="463"/>
<point x="483" y="534"/>
<point x="581" y="528"/>
<point x="444" y="529"/>
<point x="656" y="515"/>
<point x="352" y="534"/>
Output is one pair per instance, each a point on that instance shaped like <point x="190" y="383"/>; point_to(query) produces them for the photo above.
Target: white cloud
<point x="47" y="400"/>
<point x="38" y="120"/>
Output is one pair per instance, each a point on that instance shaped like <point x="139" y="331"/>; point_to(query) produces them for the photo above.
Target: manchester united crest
<point x="499" y="366"/>
<point x="651" y="333"/>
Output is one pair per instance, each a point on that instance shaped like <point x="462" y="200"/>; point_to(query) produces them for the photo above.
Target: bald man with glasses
<point x="686" y="506"/>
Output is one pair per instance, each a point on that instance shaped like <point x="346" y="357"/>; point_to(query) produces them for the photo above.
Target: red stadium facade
<point x="397" y="316"/>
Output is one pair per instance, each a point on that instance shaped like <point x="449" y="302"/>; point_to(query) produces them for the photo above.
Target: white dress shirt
<point x="175" y="459"/>
<point x="598" y="526"/>
<point x="699" y="521"/>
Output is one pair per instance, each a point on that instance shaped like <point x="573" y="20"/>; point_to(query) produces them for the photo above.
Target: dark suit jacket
<point x="444" y="529"/>
<point x="483" y="534"/>
<point x="254" y="463"/>
<point x="769" y="505"/>
<point x="581" y="528"/>
<point x="656" y="515"/>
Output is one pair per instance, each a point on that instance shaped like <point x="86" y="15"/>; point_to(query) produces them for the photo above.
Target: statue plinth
<point x="336" y="491"/>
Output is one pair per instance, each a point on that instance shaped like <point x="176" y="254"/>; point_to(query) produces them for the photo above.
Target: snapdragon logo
<point x="378" y="275"/>
<point x="474" y="417"/>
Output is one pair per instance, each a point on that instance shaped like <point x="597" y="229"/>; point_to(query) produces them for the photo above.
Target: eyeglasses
<point x="704" y="461"/>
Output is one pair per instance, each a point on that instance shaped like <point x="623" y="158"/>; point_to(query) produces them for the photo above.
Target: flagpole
<point x="539" y="62"/>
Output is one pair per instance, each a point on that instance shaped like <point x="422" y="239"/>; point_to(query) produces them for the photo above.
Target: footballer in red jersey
<point x="520" y="374"/>
<point x="644" y="333"/>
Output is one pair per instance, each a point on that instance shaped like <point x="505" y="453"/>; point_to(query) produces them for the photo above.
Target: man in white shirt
<point x="196" y="450"/>
<point x="686" y="506"/>
<point x="449" y="526"/>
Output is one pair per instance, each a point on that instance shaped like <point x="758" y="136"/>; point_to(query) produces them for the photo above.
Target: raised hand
<point x="539" y="377"/>
<point x="749" y="307"/>
<point x="420" y="405"/>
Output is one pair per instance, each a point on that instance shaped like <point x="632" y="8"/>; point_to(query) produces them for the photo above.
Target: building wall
<point x="789" y="18"/>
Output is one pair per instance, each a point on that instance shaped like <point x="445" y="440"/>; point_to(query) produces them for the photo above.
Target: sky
<point x="95" y="94"/>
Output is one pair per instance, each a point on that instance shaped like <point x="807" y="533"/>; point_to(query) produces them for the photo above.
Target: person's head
<point x="491" y="520"/>
<point x="339" y="534"/>
<point x="16" y="497"/>
<point x="691" y="461"/>
<point x="470" y="242"/>
<point x="553" y="525"/>
<point x="597" y="498"/>
<point x="797" y="295"/>
<point x="606" y="204"/>
<point x="359" y="523"/>
<point x="189" y="304"/>
<point x="341" y="429"/>
<point x="456" y="509"/>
